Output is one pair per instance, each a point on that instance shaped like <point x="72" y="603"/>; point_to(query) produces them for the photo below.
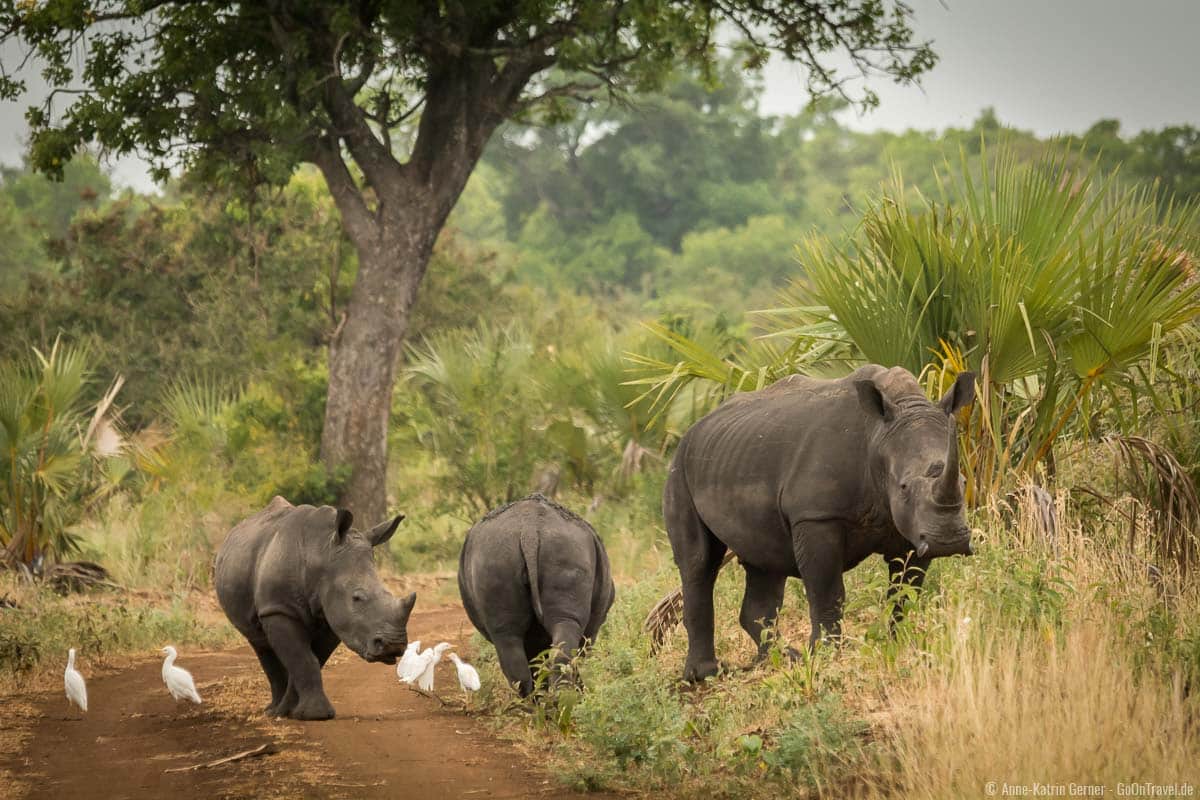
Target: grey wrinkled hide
<point x="296" y="581"/>
<point x="806" y="478"/>
<point x="533" y="575"/>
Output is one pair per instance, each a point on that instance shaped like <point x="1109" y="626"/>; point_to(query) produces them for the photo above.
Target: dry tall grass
<point x="1092" y="701"/>
<point x="1048" y="711"/>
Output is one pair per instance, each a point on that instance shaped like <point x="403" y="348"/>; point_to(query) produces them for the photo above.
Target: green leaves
<point x="1048" y="279"/>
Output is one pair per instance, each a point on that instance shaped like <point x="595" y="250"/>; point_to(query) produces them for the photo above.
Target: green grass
<point x="101" y="626"/>
<point x="1076" y="635"/>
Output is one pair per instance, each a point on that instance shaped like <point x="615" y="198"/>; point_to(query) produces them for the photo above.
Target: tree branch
<point x="360" y="223"/>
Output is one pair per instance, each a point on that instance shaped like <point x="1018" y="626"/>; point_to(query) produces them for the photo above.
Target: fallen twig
<point x="262" y="750"/>
<point x="434" y="696"/>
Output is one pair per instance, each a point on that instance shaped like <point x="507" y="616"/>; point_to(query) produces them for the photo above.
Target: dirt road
<point x="387" y="741"/>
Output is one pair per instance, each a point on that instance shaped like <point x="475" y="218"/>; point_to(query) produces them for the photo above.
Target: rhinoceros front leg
<point x="819" y="550"/>
<point x="305" y="696"/>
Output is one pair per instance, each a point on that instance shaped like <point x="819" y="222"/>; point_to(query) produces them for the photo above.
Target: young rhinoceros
<point x="533" y="575"/>
<point x="296" y="580"/>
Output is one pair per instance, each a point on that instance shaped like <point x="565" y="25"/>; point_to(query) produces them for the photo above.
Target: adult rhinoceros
<point x="806" y="478"/>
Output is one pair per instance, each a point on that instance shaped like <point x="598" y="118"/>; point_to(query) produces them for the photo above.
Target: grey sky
<point x="1045" y="65"/>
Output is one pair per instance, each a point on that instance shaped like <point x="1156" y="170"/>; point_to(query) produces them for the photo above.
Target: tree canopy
<point x="394" y="102"/>
<point x="253" y="88"/>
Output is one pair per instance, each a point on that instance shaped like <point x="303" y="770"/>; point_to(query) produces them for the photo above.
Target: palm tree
<point x="57" y="454"/>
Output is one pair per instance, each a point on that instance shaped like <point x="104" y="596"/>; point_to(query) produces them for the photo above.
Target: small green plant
<point x="819" y="745"/>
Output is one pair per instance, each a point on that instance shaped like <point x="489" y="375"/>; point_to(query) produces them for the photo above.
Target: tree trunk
<point x="363" y="356"/>
<point x="394" y="244"/>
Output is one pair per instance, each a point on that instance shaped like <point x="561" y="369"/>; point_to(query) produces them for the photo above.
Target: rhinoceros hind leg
<point x="275" y="673"/>
<point x="514" y="663"/>
<point x="286" y="703"/>
<point x="698" y="555"/>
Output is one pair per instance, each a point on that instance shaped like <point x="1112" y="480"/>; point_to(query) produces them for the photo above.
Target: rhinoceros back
<point x="765" y="460"/>
<point x="259" y="567"/>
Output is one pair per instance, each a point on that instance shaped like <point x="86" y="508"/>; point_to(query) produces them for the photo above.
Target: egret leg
<point x="276" y="674"/>
<point x="294" y="647"/>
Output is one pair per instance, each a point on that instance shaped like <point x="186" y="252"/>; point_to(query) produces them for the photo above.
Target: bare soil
<point x="386" y="742"/>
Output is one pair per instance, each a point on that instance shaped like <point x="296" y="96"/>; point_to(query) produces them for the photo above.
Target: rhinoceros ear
<point x="344" y="520"/>
<point x="962" y="393"/>
<point x="874" y="402"/>
<point x="383" y="531"/>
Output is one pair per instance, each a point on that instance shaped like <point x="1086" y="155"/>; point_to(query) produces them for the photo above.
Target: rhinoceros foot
<point x="313" y="708"/>
<point x="695" y="672"/>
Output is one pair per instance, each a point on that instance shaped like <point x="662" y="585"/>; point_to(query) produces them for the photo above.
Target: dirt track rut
<point x="387" y="741"/>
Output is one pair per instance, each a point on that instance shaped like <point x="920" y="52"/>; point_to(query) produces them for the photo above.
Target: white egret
<point x="432" y="657"/>
<point x="408" y="662"/>
<point x="468" y="676"/>
<point x="178" y="680"/>
<point x="76" y="688"/>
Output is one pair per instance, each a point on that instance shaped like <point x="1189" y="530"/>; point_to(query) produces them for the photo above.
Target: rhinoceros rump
<point x="533" y="575"/>
<point x="295" y="581"/>
<point x="806" y="478"/>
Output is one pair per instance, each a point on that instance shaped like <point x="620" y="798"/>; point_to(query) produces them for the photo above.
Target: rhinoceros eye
<point x="359" y="597"/>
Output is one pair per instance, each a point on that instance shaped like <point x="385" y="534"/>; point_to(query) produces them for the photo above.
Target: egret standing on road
<point x="178" y="680"/>
<point x="468" y="676"/>
<point x="406" y="668"/>
<point x="76" y="688"/>
<point x="432" y="657"/>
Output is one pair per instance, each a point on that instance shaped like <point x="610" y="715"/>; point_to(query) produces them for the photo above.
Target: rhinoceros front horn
<point x="946" y="490"/>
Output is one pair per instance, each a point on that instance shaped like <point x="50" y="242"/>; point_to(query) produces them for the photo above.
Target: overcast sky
<point x="1045" y="65"/>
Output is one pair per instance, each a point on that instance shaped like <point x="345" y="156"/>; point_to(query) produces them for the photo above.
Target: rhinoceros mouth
<point x="381" y="659"/>
<point x="933" y="548"/>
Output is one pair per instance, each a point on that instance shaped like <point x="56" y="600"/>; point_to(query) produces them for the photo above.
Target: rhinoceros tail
<point x="530" y="539"/>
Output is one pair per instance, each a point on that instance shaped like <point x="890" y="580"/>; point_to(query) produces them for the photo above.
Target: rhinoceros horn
<point x="946" y="490"/>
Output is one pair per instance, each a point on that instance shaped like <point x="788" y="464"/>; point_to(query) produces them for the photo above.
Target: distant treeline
<point x="694" y="195"/>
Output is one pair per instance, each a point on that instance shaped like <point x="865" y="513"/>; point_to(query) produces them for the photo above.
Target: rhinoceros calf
<point x="295" y="581"/>
<point x="533" y="575"/>
<point x="806" y="478"/>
